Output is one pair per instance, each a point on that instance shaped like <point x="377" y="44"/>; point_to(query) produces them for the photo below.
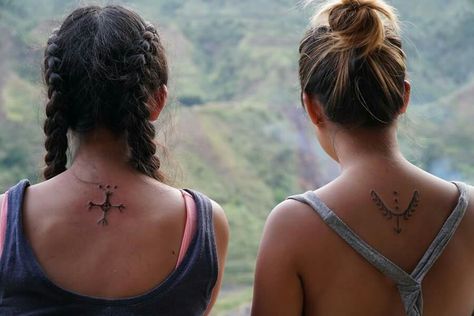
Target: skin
<point x="304" y="268"/>
<point x="140" y="246"/>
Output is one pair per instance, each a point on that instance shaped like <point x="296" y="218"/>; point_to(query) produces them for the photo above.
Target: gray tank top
<point x="409" y="285"/>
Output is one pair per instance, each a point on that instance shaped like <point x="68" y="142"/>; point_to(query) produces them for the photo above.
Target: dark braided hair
<point x="102" y="68"/>
<point x="55" y="125"/>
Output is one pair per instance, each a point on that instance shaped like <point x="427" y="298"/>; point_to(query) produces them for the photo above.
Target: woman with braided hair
<point x="104" y="235"/>
<point x="385" y="237"/>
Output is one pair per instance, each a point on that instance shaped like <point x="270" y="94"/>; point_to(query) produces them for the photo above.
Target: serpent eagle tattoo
<point x="389" y="213"/>
<point x="106" y="206"/>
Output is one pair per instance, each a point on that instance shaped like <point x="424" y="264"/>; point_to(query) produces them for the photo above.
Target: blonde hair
<point x="351" y="58"/>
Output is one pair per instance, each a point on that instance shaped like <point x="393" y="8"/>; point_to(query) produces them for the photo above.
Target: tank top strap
<point x="189" y="226"/>
<point x="205" y="231"/>
<point x="13" y="238"/>
<point x="445" y="234"/>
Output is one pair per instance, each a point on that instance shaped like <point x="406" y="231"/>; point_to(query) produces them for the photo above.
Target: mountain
<point x="234" y="127"/>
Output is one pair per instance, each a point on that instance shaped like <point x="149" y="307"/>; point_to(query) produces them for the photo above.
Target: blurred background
<point x="234" y="127"/>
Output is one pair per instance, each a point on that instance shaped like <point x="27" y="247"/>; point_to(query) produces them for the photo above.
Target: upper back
<point x="141" y="240"/>
<point x="338" y="280"/>
<point x="128" y="261"/>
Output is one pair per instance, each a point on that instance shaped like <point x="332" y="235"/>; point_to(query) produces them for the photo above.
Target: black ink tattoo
<point x="389" y="214"/>
<point x="106" y="206"/>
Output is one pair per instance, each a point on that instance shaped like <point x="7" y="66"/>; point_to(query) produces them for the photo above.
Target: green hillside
<point x="239" y="133"/>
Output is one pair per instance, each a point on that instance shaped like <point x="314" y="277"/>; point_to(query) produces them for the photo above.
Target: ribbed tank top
<point x="26" y="290"/>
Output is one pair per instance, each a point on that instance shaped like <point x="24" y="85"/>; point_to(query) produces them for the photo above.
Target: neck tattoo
<point x="106" y="206"/>
<point x="389" y="213"/>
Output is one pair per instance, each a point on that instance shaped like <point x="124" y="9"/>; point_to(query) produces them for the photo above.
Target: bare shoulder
<point x="169" y="197"/>
<point x="293" y="226"/>
<point x="293" y="215"/>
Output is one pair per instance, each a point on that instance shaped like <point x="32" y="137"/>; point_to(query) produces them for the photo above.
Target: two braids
<point x="103" y="69"/>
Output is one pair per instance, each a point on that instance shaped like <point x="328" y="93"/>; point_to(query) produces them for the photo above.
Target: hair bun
<point x="359" y="24"/>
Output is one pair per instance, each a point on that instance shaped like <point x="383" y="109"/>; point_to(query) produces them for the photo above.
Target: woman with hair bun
<point x="385" y="237"/>
<point x="104" y="235"/>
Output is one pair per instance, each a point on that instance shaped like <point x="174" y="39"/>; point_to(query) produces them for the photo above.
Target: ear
<point x="406" y="97"/>
<point x="314" y="109"/>
<point x="158" y="103"/>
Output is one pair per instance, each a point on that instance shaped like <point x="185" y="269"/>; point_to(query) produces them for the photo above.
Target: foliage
<point x="240" y="136"/>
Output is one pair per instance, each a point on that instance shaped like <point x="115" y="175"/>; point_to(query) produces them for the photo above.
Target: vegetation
<point x="240" y="134"/>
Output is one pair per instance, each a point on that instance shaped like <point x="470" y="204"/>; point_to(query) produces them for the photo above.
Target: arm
<point x="277" y="288"/>
<point x="221" y="228"/>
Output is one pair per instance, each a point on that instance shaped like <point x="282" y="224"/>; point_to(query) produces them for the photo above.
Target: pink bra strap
<point x="189" y="226"/>
<point x="3" y="221"/>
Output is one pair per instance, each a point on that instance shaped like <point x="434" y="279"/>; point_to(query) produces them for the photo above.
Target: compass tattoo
<point x="389" y="213"/>
<point x="106" y="206"/>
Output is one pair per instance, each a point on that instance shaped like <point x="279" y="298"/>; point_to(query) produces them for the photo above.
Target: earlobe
<point x="406" y="97"/>
<point x="159" y="101"/>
